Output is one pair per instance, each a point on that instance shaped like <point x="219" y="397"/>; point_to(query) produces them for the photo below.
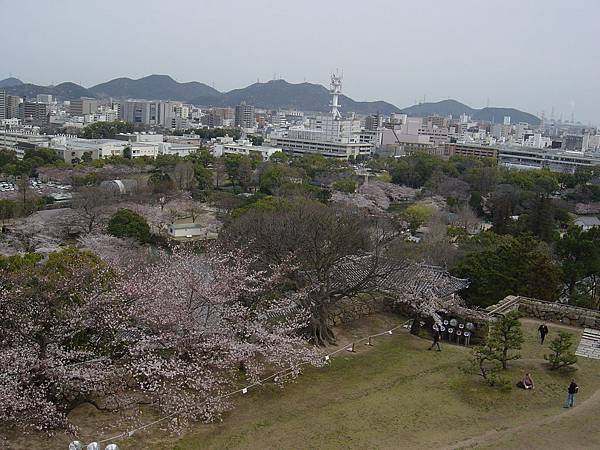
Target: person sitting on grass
<point x="527" y="382"/>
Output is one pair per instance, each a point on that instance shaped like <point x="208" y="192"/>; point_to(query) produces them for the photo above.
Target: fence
<point x="350" y="347"/>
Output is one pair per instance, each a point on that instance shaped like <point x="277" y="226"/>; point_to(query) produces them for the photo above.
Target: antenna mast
<point x="336" y="91"/>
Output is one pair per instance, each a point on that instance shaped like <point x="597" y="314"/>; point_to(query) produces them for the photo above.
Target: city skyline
<point x="523" y="56"/>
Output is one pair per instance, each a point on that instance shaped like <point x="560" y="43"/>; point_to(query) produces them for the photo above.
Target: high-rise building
<point x="373" y="122"/>
<point x="34" y="113"/>
<point x="83" y="106"/>
<point x="2" y="104"/>
<point x="44" y="98"/>
<point x="141" y="112"/>
<point x="573" y="142"/>
<point x="12" y="106"/>
<point x="244" y="116"/>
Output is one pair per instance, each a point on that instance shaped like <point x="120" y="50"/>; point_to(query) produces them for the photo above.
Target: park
<point x="393" y="394"/>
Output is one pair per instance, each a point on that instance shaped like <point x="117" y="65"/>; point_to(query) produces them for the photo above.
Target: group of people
<point x="526" y="382"/>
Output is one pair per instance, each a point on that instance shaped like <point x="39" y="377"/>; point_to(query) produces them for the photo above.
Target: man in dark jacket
<point x="571" y="392"/>
<point x="436" y="340"/>
<point x="543" y="331"/>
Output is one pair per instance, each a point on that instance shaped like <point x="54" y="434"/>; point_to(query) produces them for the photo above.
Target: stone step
<point x="589" y="345"/>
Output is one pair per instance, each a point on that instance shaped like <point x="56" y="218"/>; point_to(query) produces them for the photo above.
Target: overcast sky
<point x="528" y="54"/>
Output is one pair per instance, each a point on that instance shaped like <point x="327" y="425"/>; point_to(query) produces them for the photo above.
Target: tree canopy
<point x="128" y="223"/>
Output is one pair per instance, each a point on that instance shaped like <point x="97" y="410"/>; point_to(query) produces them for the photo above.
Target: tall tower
<point x="336" y="91"/>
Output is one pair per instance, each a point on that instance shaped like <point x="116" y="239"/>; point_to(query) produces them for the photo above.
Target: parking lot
<point x="9" y="189"/>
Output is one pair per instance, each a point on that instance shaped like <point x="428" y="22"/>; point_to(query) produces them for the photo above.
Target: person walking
<point x="543" y="331"/>
<point x="571" y="392"/>
<point x="436" y="340"/>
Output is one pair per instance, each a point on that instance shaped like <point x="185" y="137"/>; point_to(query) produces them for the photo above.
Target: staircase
<point x="589" y="346"/>
<point x="506" y="305"/>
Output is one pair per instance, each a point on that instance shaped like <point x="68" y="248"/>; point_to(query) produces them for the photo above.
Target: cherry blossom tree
<point x="204" y="322"/>
<point x="90" y="205"/>
<point x="326" y="243"/>
<point x="56" y="330"/>
<point x="122" y="255"/>
<point x="176" y="333"/>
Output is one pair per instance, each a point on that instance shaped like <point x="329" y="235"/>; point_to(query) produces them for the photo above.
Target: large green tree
<point x="128" y="223"/>
<point x="578" y="252"/>
<point x="107" y="130"/>
<point x="498" y="266"/>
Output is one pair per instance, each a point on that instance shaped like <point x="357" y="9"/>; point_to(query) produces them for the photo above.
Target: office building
<point x="142" y="112"/>
<point x="22" y="139"/>
<point x="227" y="146"/>
<point x="173" y="115"/>
<point x="12" y="106"/>
<point x="470" y="150"/>
<point x="556" y="160"/>
<point x="44" y="98"/>
<point x="573" y="142"/>
<point x="373" y="122"/>
<point x="34" y="113"/>
<point x="83" y="106"/>
<point x="2" y="104"/>
<point x="244" y="116"/>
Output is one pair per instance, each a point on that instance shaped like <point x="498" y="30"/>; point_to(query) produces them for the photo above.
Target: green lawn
<point x="399" y="395"/>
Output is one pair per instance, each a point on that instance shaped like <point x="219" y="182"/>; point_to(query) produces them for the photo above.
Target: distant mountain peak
<point x="10" y="82"/>
<point x="157" y="77"/>
<point x="455" y="108"/>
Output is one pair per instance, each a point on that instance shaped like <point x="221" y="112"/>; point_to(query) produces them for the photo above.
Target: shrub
<point x="128" y="223"/>
<point x="562" y="351"/>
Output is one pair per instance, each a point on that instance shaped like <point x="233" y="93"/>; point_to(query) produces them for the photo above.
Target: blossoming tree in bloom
<point x="204" y="325"/>
<point x="57" y="333"/>
<point x="174" y="334"/>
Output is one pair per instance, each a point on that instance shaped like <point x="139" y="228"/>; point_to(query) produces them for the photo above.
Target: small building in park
<point x="185" y="230"/>
<point x="587" y="222"/>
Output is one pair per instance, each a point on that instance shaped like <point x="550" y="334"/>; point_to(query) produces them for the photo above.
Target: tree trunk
<point x="415" y="327"/>
<point x="321" y="332"/>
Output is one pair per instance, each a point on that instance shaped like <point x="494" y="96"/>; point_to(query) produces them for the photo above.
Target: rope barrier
<point x="244" y="390"/>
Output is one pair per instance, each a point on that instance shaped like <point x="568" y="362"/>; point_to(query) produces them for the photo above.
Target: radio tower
<point x="336" y="91"/>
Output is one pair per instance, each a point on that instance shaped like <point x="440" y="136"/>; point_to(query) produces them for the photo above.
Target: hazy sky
<point x="528" y="54"/>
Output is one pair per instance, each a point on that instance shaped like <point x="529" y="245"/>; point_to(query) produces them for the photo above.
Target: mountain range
<point x="9" y="82"/>
<point x="456" y="109"/>
<point x="273" y="94"/>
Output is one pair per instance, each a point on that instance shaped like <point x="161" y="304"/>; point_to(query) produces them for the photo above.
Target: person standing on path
<point x="436" y="340"/>
<point x="543" y="331"/>
<point x="571" y="392"/>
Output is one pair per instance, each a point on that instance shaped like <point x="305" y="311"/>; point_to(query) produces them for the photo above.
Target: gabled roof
<point x="397" y="276"/>
<point x="588" y="221"/>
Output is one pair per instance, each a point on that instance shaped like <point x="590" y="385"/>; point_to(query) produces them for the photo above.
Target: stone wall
<point x="550" y="311"/>
<point x="351" y="309"/>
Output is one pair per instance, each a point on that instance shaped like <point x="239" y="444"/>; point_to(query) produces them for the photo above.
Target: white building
<point x="185" y="230"/>
<point x="226" y="145"/>
<point x="169" y="148"/>
<point x="327" y="135"/>
<point x="72" y="149"/>
<point x="148" y="149"/>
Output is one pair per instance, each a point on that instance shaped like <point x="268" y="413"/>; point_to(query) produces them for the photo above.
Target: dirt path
<point x="495" y="435"/>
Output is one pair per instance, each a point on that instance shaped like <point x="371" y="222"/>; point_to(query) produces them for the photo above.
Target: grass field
<point x="399" y="395"/>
